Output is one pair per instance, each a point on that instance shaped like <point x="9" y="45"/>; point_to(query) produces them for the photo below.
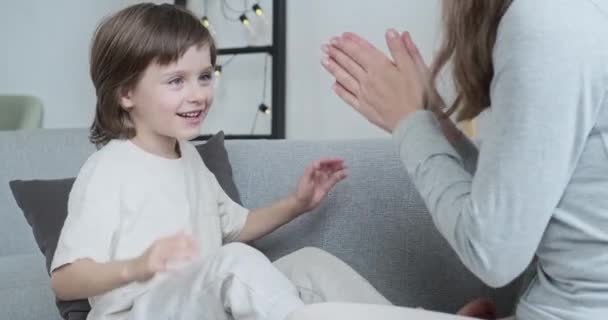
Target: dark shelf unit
<point x="278" y="53"/>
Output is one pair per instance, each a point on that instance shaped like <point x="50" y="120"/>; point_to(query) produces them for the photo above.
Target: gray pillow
<point x="44" y="204"/>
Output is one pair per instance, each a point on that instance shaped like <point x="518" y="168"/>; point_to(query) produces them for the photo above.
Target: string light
<point x="229" y="7"/>
<point x="205" y="22"/>
<point x="205" y="19"/>
<point x="244" y="20"/>
<point x="218" y="70"/>
<point x="228" y="13"/>
<point x="258" y="10"/>
<point x="242" y="16"/>
<point x="264" y="108"/>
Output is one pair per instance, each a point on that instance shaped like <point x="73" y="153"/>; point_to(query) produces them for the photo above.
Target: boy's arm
<point x="318" y="180"/>
<point x="86" y="278"/>
<point x="263" y="221"/>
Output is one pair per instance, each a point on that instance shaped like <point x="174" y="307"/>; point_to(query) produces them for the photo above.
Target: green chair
<point x="20" y="112"/>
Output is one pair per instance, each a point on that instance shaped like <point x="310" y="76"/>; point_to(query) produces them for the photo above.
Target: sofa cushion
<point x="44" y="204"/>
<point x="25" y="291"/>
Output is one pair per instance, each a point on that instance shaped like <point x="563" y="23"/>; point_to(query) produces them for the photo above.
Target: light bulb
<point x="205" y="22"/>
<point x="258" y="10"/>
<point x="264" y="108"/>
<point x="244" y="19"/>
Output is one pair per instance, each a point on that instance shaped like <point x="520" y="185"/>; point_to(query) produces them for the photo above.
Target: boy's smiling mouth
<point x="191" y="114"/>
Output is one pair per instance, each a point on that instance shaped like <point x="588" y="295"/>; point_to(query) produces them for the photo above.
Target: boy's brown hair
<point x="124" y="45"/>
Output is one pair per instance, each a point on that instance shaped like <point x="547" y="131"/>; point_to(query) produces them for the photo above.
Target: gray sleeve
<point x="466" y="149"/>
<point x="541" y="99"/>
<point x="468" y="153"/>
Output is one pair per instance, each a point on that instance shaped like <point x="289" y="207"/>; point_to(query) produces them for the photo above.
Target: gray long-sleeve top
<point x="540" y="186"/>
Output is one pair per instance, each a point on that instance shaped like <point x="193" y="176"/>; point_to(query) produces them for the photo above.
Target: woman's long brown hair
<point x="470" y="28"/>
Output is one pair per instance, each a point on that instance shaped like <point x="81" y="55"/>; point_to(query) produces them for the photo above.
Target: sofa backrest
<point x="374" y="220"/>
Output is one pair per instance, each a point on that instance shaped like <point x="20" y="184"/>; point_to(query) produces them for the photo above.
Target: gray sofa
<point x="374" y="220"/>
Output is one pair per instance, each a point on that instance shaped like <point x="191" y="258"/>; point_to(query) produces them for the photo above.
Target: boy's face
<point x="171" y="101"/>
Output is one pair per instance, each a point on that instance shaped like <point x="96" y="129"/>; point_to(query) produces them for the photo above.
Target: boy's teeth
<point x="189" y="114"/>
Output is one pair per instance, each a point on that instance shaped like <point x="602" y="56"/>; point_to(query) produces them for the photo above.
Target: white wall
<point x="239" y="90"/>
<point x="46" y="43"/>
<point x="45" y="53"/>
<point x="314" y="112"/>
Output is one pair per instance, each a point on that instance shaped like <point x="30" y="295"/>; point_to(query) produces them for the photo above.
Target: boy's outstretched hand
<point x="318" y="179"/>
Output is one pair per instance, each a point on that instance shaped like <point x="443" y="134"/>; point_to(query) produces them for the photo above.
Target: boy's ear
<point x="125" y="98"/>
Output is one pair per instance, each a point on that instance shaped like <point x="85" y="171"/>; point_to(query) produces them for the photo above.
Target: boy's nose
<point x="197" y="95"/>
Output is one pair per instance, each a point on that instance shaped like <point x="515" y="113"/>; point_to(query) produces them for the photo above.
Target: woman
<point x="538" y="70"/>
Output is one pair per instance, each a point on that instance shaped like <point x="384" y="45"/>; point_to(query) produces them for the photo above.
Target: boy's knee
<point x="239" y="253"/>
<point x="312" y="252"/>
<point x="313" y="312"/>
<point x="318" y="257"/>
<point x="240" y="249"/>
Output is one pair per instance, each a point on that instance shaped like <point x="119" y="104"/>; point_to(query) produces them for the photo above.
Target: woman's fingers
<point x="346" y="80"/>
<point x="398" y="51"/>
<point x="413" y="51"/>
<point x="344" y="61"/>
<point x="346" y="95"/>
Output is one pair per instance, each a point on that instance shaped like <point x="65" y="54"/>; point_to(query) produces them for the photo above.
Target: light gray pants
<point x="239" y="282"/>
<point x="360" y="311"/>
<point x="321" y="277"/>
<point x="338" y="292"/>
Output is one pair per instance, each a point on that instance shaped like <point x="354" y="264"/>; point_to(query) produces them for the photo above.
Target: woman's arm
<point x="356" y="64"/>
<point x="544" y="105"/>
<point x="544" y="109"/>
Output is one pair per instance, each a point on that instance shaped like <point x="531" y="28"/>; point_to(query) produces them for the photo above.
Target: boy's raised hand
<point x="318" y="179"/>
<point x="161" y="255"/>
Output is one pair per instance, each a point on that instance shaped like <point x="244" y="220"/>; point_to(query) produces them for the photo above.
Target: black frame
<point x="278" y="53"/>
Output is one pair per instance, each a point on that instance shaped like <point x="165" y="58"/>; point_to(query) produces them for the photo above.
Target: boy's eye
<point x="206" y="77"/>
<point x="176" y="81"/>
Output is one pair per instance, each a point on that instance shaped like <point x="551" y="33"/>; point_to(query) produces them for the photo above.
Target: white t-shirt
<point x="126" y="198"/>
